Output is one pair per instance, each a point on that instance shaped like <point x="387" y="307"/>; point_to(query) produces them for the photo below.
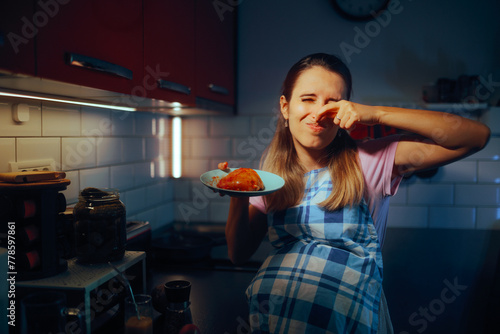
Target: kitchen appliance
<point x="30" y="218"/>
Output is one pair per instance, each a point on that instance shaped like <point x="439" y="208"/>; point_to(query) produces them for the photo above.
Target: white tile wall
<point x="462" y="195"/>
<point x="98" y="148"/>
<point x="130" y="151"/>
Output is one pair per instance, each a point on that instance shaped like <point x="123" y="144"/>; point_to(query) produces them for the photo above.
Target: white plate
<point x="272" y="182"/>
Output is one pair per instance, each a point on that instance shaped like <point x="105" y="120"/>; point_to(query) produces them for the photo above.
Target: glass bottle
<point x="100" y="226"/>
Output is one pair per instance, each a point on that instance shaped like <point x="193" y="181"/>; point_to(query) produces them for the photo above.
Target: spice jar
<point x="99" y="226"/>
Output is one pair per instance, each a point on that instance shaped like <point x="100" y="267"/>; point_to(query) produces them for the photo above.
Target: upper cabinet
<point x="169" y="50"/>
<point x="18" y="30"/>
<point x="215" y="50"/>
<point x="95" y="43"/>
<point x="155" y="50"/>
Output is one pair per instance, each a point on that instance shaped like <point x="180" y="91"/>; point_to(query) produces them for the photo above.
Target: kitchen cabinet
<point x="147" y="53"/>
<point x="18" y="28"/>
<point x="95" y="43"/>
<point x="215" y="51"/>
<point x="169" y="50"/>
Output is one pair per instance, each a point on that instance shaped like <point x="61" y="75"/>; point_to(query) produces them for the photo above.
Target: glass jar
<point x="100" y="226"/>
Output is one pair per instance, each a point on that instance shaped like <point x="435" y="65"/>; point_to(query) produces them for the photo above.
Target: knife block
<point x="29" y="223"/>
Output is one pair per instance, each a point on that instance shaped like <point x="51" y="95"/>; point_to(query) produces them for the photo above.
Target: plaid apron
<point x="325" y="272"/>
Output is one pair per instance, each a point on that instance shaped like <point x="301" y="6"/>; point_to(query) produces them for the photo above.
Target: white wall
<point x="98" y="148"/>
<point x="424" y="41"/>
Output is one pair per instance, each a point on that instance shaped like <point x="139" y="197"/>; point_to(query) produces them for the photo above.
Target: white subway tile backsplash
<point x="452" y="217"/>
<point x="195" y="167"/>
<point x="109" y="151"/>
<point x="73" y="189"/>
<point x="122" y="123"/>
<point x="210" y="147"/>
<point x="52" y="118"/>
<point x="122" y="177"/>
<point x="8" y="153"/>
<point x="95" y="177"/>
<point x="144" y="174"/>
<point x="131" y="152"/>
<point x="195" y="127"/>
<point x="182" y="189"/>
<point x="459" y="172"/>
<point x="229" y="126"/>
<point x="39" y="148"/>
<point x="135" y="200"/>
<point x="430" y="194"/>
<point x="401" y="196"/>
<point x="491" y="118"/>
<point x="145" y="125"/>
<point x="169" y="191"/>
<point x="9" y="128"/>
<point x="96" y="122"/>
<point x="154" y="194"/>
<point x="488" y="218"/>
<point x="78" y="153"/>
<point x="249" y="149"/>
<point x="478" y="194"/>
<point x="490" y="152"/>
<point x="133" y="149"/>
<point x="408" y="216"/>
<point x="263" y="127"/>
<point x="489" y="171"/>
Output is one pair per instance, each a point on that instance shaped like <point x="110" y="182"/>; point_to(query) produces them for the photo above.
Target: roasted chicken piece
<point x="241" y="179"/>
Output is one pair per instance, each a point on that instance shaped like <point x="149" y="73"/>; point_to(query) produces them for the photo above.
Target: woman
<point x="328" y="222"/>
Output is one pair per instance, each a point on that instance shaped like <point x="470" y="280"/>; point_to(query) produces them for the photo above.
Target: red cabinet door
<point x="215" y="56"/>
<point x="94" y="43"/>
<point x="18" y="30"/>
<point x="169" y="50"/>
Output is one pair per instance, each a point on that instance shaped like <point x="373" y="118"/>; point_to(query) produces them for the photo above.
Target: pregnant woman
<point x="327" y="224"/>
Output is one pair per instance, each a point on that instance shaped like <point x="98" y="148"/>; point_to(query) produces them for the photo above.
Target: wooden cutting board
<point x="29" y="177"/>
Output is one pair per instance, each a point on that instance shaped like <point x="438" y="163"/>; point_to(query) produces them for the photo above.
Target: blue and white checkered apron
<point x="325" y="272"/>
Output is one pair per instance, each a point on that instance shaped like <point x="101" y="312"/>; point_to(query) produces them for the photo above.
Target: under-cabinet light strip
<point x="80" y="103"/>
<point x="176" y="147"/>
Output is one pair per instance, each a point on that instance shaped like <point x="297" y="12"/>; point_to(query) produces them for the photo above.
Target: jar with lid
<point x="100" y="226"/>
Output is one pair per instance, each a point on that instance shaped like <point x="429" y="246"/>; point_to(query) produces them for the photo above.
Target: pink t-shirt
<point x="377" y="161"/>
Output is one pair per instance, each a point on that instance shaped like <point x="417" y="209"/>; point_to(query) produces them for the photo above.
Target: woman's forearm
<point x="445" y="129"/>
<point x="242" y="238"/>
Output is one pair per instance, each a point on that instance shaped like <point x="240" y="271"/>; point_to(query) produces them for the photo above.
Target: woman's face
<point x="314" y="88"/>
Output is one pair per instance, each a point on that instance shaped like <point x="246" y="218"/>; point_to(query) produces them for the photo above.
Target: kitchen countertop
<point x="218" y="302"/>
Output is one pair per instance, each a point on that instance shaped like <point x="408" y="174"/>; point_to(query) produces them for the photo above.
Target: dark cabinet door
<point x="169" y="50"/>
<point x="94" y="43"/>
<point x="18" y="30"/>
<point x="215" y="55"/>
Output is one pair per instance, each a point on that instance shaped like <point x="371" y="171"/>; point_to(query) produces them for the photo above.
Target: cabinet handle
<point x="96" y="64"/>
<point x="218" y="89"/>
<point x="177" y="87"/>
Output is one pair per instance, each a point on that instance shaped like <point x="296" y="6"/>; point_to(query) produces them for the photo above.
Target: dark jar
<point x="100" y="226"/>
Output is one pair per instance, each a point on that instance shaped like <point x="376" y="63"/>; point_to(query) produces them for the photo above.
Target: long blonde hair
<point x="341" y="155"/>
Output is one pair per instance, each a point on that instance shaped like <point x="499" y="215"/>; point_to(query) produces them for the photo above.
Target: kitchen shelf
<point x="82" y="279"/>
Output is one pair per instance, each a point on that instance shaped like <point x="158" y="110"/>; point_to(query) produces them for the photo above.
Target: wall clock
<point x="360" y="10"/>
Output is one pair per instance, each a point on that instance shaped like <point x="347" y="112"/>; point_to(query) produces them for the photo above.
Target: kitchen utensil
<point x="27" y="177"/>
<point x="272" y="183"/>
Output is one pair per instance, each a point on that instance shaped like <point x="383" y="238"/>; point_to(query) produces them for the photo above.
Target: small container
<point x="100" y="226"/>
<point x="178" y="312"/>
